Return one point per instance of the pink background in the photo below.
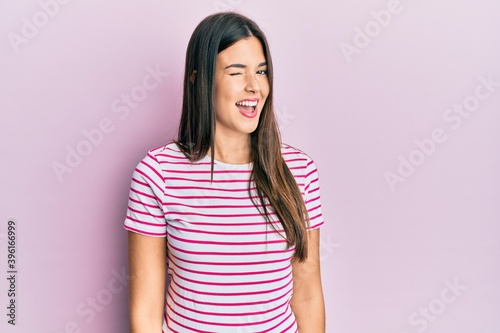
(389, 253)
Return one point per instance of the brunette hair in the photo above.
(270, 173)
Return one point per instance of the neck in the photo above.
(233, 150)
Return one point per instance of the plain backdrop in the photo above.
(396, 101)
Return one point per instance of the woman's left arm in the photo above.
(307, 300)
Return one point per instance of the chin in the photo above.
(249, 129)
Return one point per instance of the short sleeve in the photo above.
(145, 213)
(312, 195)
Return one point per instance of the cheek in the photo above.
(224, 104)
(228, 91)
(222, 96)
(264, 88)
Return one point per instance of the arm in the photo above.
(147, 268)
(307, 300)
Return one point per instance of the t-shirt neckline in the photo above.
(229, 165)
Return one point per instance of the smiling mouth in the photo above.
(248, 108)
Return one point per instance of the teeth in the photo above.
(247, 103)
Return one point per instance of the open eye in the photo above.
(262, 72)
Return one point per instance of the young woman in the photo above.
(227, 211)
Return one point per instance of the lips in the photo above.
(247, 107)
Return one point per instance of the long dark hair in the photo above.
(270, 173)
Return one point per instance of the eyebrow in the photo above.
(262, 64)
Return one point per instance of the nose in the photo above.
(252, 85)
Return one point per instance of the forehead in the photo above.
(246, 51)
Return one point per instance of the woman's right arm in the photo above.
(147, 267)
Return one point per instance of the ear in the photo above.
(192, 77)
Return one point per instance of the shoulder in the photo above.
(157, 157)
(300, 164)
(166, 153)
(294, 156)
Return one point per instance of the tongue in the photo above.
(246, 109)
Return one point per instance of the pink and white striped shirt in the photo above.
(229, 270)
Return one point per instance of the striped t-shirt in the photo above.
(229, 270)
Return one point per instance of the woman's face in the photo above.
(241, 87)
